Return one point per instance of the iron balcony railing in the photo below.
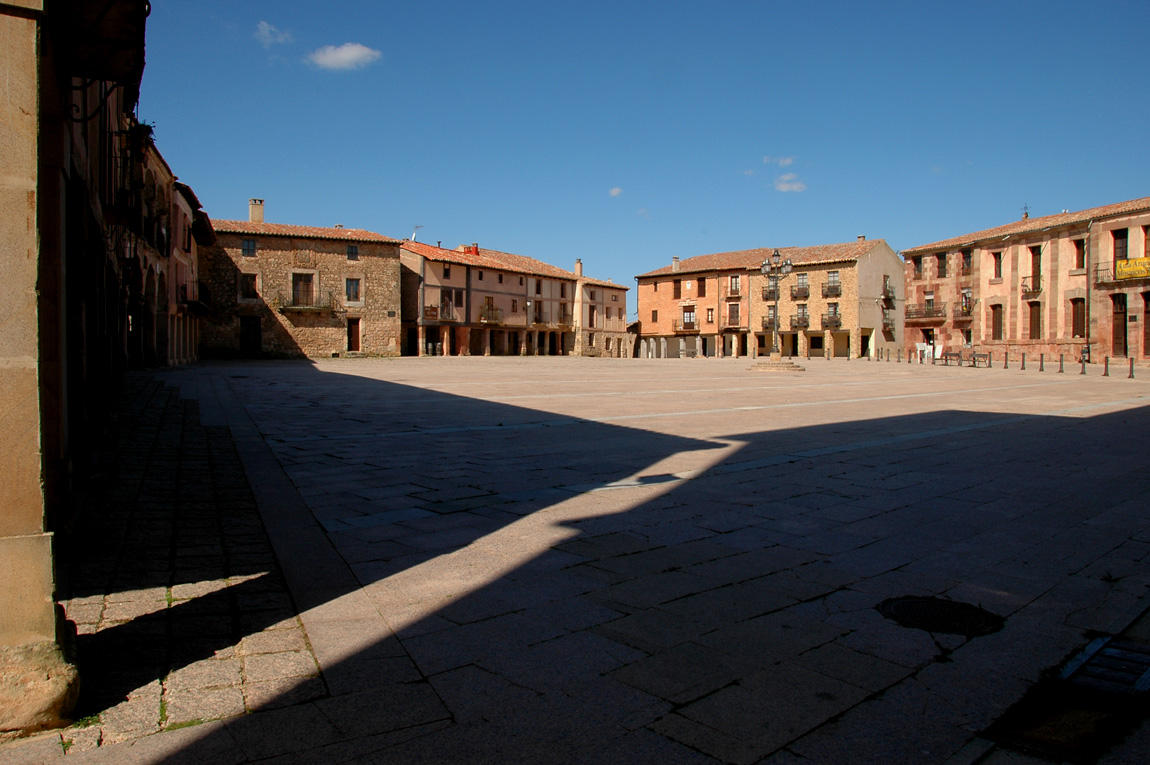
(832, 320)
(802, 321)
(304, 301)
(770, 293)
(964, 312)
(490, 314)
(887, 292)
(888, 324)
(800, 291)
(682, 325)
(920, 311)
(769, 323)
(1031, 285)
(832, 290)
(732, 290)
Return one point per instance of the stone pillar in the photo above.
(662, 347)
(37, 685)
(486, 342)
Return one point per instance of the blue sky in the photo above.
(624, 133)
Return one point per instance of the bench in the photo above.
(975, 358)
(950, 356)
(965, 357)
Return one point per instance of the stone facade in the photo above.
(1070, 284)
(281, 290)
(476, 301)
(839, 301)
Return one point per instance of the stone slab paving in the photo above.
(589, 560)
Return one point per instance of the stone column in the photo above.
(37, 685)
(487, 342)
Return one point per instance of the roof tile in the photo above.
(312, 232)
(753, 259)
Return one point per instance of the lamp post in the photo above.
(775, 268)
(526, 323)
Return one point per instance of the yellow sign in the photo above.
(1135, 268)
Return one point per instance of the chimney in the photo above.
(338, 225)
(255, 211)
(578, 266)
(675, 263)
(474, 249)
(862, 237)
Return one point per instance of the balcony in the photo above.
(887, 293)
(732, 291)
(769, 324)
(1031, 286)
(489, 314)
(802, 321)
(888, 324)
(770, 294)
(1131, 271)
(306, 302)
(682, 325)
(832, 290)
(832, 321)
(926, 312)
(736, 322)
(963, 312)
(800, 291)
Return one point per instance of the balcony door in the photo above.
(1118, 339)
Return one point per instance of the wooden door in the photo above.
(1118, 343)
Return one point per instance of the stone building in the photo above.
(840, 300)
(95, 258)
(476, 301)
(283, 290)
(1072, 283)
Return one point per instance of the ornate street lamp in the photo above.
(775, 269)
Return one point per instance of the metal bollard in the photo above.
(1042, 362)
(1083, 360)
(1024, 362)
(1006, 360)
(898, 355)
(1131, 369)
(1106, 367)
(1061, 363)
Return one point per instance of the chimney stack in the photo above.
(255, 211)
(862, 237)
(578, 266)
(675, 263)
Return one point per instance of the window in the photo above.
(710, 315)
(702, 288)
(458, 298)
(833, 309)
(917, 267)
(499, 278)
(967, 262)
(446, 270)
(249, 248)
(353, 252)
(997, 256)
(1078, 317)
(1035, 321)
(1146, 242)
(302, 289)
(928, 299)
(562, 289)
(351, 290)
(654, 316)
(614, 298)
(734, 284)
(802, 309)
(607, 313)
(996, 322)
(514, 306)
(967, 338)
(833, 278)
(733, 314)
(677, 289)
(1080, 253)
(942, 266)
(520, 281)
(480, 276)
(590, 294)
(538, 286)
(248, 287)
(1036, 264)
(802, 280)
(689, 317)
(1121, 242)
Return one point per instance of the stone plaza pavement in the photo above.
(593, 560)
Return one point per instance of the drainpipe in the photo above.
(1089, 279)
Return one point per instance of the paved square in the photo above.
(592, 560)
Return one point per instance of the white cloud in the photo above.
(748, 172)
(642, 212)
(780, 161)
(615, 191)
(270, 35)
(789, 182)
(346, 56)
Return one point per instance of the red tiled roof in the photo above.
(501, 261)
(303, 232)
(753, 259)
(1027, 225)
